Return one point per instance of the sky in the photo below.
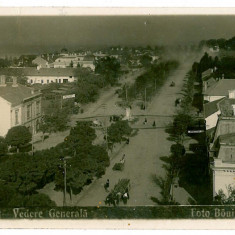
(38, 34)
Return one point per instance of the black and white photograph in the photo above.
(117, 116)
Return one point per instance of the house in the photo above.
(207, 83)
(219, 89)
(88, 62)
(43, 75)
(42, 63)
(222, 148)
(19, 105)
(207, 73)
(223, 167)
(214, 49)
(65, 61)
(211, 112)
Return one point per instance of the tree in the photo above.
(146, 60)
(109, 67)
(17, 136)
(118, 131)
(3, 146)
(225, 199)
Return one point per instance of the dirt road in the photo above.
(143, 153)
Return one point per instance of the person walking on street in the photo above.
(124, 198)
(154, 124)
(106, 186)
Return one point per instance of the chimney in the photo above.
(14, 84)
(231, 94)
(2, 81)
(233, 107)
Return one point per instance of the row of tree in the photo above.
(227, 44)
(24, 174)
(149, 82)
(190, 168)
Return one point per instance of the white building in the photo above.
(42, 63)
(211, 112)
(224, 164)
(43, 75)
(219, 89)
(19, 105)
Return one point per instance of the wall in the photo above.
(211, 120)
(13, 116)
(212, 98)
(37, 79)
(222, 179)
(5, 117)
(34, 117)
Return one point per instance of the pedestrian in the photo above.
(176, 102)
(107, 201)
(154, 123)
(122, 161)
(124, 198)
(145, 120)
(106, 186)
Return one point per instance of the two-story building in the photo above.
(19, 105)
(42, 75)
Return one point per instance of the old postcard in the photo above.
(116, 115)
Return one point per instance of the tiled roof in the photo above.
(30, 71)
(221, 87)
(206, 73)
(15, 95)
(39, 61)
(226, 107)
(227, 139)
(211, 107)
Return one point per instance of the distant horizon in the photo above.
(38, 34)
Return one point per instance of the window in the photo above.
(16, 116)
(59, 80)
(28, 112)
(31, 80)
(70, 76)
(56, 80)
(42, 81)
(47, 81)
(37, 107)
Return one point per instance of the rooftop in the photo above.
(221, 87)
(15, 95)
(206, 73)
(211, 107)
(227, 139)
(225, 107)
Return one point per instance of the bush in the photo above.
(118, 166)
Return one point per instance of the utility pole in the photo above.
(65, 182)
(61, 102)
(105, 127)
(65, 178)
(145, 98)
(32, 128)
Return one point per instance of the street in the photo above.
(142, 154)
(142, 161)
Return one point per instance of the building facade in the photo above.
(19, 105)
